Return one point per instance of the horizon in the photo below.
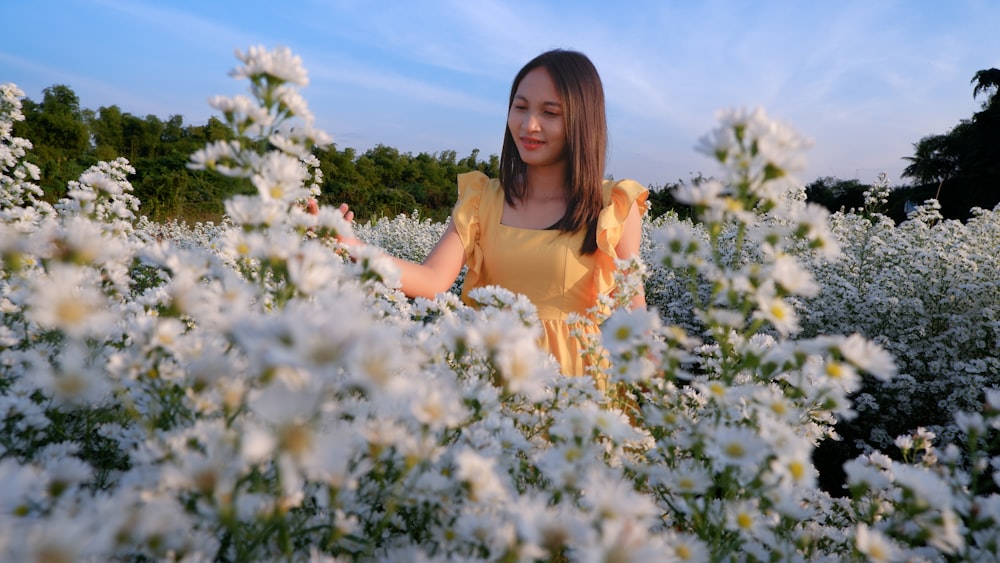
(864, 81)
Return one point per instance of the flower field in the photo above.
(243, 392)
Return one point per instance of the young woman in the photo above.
(550, 227)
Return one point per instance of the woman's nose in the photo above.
(531, 122)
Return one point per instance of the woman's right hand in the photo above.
(345, 210)
(348, 242)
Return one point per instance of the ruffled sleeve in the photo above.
(466, 218)
(618, 200)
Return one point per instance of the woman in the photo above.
(550, 227)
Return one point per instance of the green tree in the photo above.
(173, 130)
(381, 181)
(936, 158)
(107, 131)
(987, 82)
(140, 137)
(962, 168)
(836, 194)
(58, 130)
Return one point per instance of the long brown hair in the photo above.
(582, 95)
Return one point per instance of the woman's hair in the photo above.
(582, 95)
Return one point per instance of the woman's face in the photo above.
(536, 120)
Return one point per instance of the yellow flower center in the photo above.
(71, 311)
(70, 385)
(778, 311)
(744, 520)
(835, 370)
(797, 469)
(296, 438)
(735, 449)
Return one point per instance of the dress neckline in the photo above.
(527, 229)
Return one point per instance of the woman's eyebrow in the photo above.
(556, 103)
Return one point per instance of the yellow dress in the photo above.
(544, 265)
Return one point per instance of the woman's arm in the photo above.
(628, 246)
(436, 274)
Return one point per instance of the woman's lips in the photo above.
(530, 143)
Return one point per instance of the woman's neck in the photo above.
(545, 182)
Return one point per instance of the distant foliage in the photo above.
(961, 169)
(67, 139)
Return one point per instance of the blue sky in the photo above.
(865, 80)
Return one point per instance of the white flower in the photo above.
(254, 211)
(278, 63)
(776, 311)
(612, 498)
(217, 155)
(864, 475)
(794, 469)
(331, 218)
(792, 277)
(437, 407)
(375, 263)
(676, 246)
(258, 443)
(75, 379)
(239, 244)
(812, 220)
(62, 537)
(375, 359)
(740, 447)
(745, 517)
(331, 460)
(69, 299)
(245, 112)
(707, 193)
(623, 540)
(971, 424)
(548, 529)
(874, 545)
(293, 102)
(719, 144)
(868, 356)
(687, 547)
(611, 423)
(62, 468)
(774, 402)
(993, 398)
(281, 177)
(625, 330)
(904, 443)
(313, 268)
(843, 375)
(927, 486)
(479, 474)
(204, 459)
(947, 532)
(690, 477)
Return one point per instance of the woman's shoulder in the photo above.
(475, 184)
(623, 191)
(479, 198)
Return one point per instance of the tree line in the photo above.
(378, 182)
(960, 168)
